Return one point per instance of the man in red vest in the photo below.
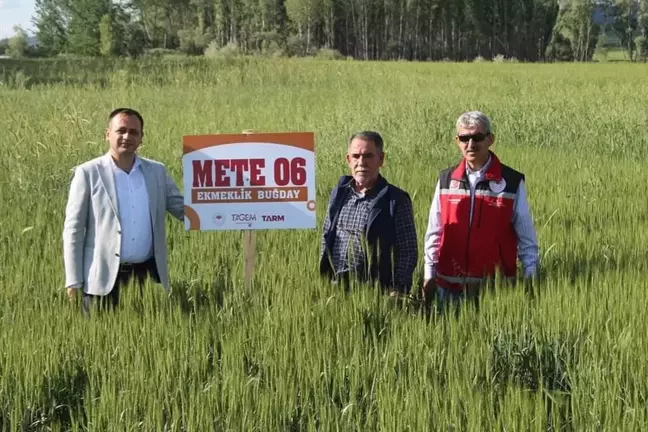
(479, 220)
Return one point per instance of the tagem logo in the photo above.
(244, 218)
(273, 218)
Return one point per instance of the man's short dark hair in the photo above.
(369, 136)
(126, 111)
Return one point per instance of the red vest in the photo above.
(473, 251)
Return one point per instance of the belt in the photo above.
(128, 266)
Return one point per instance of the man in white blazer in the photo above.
(115, 216)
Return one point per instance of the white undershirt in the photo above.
(475, 177)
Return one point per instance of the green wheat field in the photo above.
(294, 353)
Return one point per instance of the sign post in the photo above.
(249, 250)
(250, 181)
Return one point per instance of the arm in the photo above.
(74, 229)
(523, 225)
(174, 198)
(432, 241)
(405, 246)
(327, 224)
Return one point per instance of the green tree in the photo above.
(642, 19)
(108, 38)
(132, 40)
(575, 22)
(625, 24)
(18, 43)
(84, 37)
(51, 26)
(305, 14)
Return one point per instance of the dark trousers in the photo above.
(139, 271)
(346, 280)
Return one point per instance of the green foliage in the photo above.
(107, 36)
(367, 30)
(575, 23)
(192, 41)
(50, 16)
(329, 54)
(296, 46)
(17, 46)
(296, 353)
(394, 30)
(560, 49)
(229, 51)
(641, 42)
(625, 24)
(84, 37)
(268, 43)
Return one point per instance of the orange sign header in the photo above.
(302, 140)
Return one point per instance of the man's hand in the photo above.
(72, 292)
(398, 298)
(429, 288)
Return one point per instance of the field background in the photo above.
(297, 354)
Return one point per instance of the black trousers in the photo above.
(139, 271)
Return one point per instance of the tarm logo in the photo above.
(273, 218)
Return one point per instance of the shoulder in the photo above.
(398, 194)
(88, 167)
(447, 172)
(151, 163)
(445, 175)
(512, 174)
(342, 182)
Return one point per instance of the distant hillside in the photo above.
(31, 40)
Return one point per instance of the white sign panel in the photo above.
(249, 181)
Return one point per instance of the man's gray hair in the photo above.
(473, 119)
(370, 136)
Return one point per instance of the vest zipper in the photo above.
(471, 219)
(470, 222)
(481, 205)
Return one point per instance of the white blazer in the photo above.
(92, 229)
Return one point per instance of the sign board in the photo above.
(249, 181)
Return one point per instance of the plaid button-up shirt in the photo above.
(350, 249)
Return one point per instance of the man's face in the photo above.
(474, 144)
(124, 133)
(364, 160)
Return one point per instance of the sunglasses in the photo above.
(478, 137)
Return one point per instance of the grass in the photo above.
(296, 353)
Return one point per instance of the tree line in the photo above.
(526, 30)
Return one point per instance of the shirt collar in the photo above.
(369, 193)
(480, 171)
(114, 166)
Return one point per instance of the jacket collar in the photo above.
(348, 183)
(494, 171)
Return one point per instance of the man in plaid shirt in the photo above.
(369, 232)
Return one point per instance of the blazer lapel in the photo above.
(151, 189)
(108, 180)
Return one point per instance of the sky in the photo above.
(15, 12)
